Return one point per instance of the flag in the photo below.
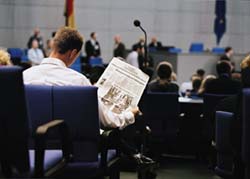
(220, 20)
(69, 13)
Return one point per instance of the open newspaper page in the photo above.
(121, 85)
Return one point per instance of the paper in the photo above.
(121, 86)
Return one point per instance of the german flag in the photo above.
(69, 13)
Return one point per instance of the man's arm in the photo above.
(110, 119)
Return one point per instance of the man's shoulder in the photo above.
(76, 73)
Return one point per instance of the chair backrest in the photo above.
(223, 127)
(210, 103)
(15, 55)
(13, 120)
(218, 50)
(246, 127)
(15, 52)
(95, 61)
(175, 50)
(161, 112)
(223, 143)
(196, 47)
(78, 107)
(39, 104)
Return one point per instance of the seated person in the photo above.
(187, 86)
(35, 55)
(204, 82)
(4, 58)
(234, 104)
(54, 71)
(196, 86)
(201, 73)
(224, 84)
(154, 43)
(163, 82)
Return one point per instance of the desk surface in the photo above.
(189, 100)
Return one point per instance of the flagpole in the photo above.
(66, 13)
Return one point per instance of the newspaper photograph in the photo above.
(121, 85)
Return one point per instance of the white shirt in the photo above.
(54, 72)
(35, 56)
(186, 86)
(132, 59)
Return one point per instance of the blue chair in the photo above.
(218, 50)
(210, 103)
(196, 48)
(246, 132)
(15, 55)
(77, 66)
(24, 57)
(95, 61)
(15, 158)
(161, 112)
(224, 167)
(175, 50)
(78, 106)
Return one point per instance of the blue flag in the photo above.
(220, 20)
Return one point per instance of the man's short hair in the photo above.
(164, 70)
(227, 49)
(66, 39)
(200, 72)
(223, 67)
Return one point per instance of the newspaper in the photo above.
(121, 86)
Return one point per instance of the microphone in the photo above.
(137, 23)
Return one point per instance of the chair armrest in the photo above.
(41, 137)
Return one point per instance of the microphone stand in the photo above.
(145, 47)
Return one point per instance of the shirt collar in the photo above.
(53, 61)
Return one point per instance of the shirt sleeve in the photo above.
(112, 120)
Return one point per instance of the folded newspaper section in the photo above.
(121, 85)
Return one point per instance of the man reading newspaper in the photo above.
(115, 111)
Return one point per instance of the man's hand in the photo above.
(136, 111)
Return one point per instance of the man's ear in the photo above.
(73, 55)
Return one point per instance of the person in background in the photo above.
(140, 43)
(224, 84)
(201, 73)
(187, 86)
(154, 43)
(204, 82)
(36, 36)
(228, 54)
(92, 47)
(196, 83)
(5, 58)
(48, 47)
(163, 81)
(234, 104)
(119, 50)
(35, 55)
(133, 57)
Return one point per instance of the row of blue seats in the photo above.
(196, 48)
(21, 54)
(52, 114)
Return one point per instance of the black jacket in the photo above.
(91, 50)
